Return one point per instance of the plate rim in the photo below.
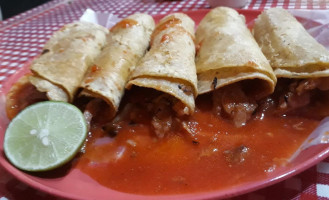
(237, 190)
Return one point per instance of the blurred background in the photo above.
(10, 8)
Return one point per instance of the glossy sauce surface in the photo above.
(214, 155)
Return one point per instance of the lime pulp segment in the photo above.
(44, 136)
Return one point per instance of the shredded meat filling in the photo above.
(299, 92)
(232, 101)
(164, 119)
(97, 110)
(158, 109)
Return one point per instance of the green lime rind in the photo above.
(45, 136)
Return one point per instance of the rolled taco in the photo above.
(126, 44)
(230, 64)
(298, 60)
(169, 65)
(65, 58)
(291, 50)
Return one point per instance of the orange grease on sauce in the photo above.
(89, 80)
(90, 77)
(94, 68)
(165, 38)
(171, 22)
(125, 23)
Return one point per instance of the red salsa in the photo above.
(213, 154)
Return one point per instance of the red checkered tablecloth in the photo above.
(22, 38)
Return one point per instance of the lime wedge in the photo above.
(44, 136)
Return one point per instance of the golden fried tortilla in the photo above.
(126, 44)
(291, 50)
(65, 58)
(227, 53)
(169, 65)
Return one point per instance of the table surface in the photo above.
(23, 36)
